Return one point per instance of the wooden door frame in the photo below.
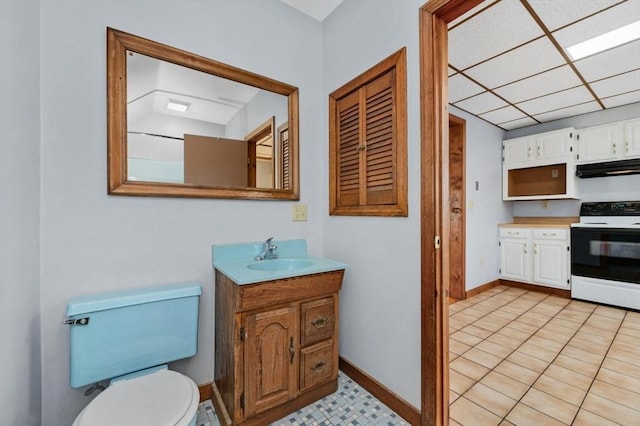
(434, 135)
(457, 141)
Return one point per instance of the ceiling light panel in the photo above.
(501, 115)
(460, 87)
(483, 35)
(530, 59)
(557, 13)
(609, 20)
(542, 84)
(627, 98)
(617, 85)
(554, 101)
(516, 124)
(568, 112)
(606, 64)
(481, 103)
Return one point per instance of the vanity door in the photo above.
(271, 358)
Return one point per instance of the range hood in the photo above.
(610, 168)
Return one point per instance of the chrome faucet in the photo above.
(268, 251)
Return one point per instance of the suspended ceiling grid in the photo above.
(508, 66)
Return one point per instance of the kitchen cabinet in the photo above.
(609, 142)
(276, 345)
(539, 166)
(535, 255)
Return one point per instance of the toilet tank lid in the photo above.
(81, 305)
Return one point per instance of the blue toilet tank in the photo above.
(117, 333)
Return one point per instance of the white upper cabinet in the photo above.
(609, 142)
(632, 138)
(539, 150)
(539, 166)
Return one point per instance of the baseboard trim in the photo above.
(206, 391)
(483, 288)
(384, 395)
(566, 294)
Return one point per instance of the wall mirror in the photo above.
(181, 125)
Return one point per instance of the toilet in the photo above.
(128, 337)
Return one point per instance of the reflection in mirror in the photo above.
(204, 130)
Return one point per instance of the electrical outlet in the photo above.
(300, 213)
(554, 173)
(545, 204)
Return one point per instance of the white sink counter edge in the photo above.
(233, 259)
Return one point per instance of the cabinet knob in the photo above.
(319, 367)
(319, 322)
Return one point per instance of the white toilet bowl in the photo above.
(163, 398)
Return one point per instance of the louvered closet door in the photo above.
(285, 156)
(379, 162)
(349, 150)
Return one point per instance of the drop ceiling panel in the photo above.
(617, 85)
(481, 103)
(557, 13)
(568, 112)
(627, 98)
(475, 10)
(493, 41)
(508, 113)
(460, 87)
(618, 16)
(611, 62)
(516, 124)
(488, 38)
(541, 84)
(525, 61)
(554, 101)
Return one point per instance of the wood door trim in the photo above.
(457, 200)
(434, 16)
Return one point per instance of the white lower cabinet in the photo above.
(535, 255)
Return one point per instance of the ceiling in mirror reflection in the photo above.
(152, 84)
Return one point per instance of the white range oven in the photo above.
(605, 254)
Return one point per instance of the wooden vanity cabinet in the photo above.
(276, 345)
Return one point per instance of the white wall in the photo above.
(19, 213)
(380, 298)
(92, 242)
(484, 208)
(611, 188)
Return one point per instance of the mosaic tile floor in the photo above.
(519, 357)
(351, 405)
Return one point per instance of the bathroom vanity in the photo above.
(276, 325)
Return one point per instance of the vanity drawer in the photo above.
(317, 364)
(317, 320)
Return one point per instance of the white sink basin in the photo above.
(280, 265)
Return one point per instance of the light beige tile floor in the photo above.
(520, 357)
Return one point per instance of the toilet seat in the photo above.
(161, 398)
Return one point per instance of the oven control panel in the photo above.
(611, 208)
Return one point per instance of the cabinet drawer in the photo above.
(317, 364)
(550, 234)
(317, 321)
(514, 232)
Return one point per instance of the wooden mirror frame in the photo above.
(118, 43)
